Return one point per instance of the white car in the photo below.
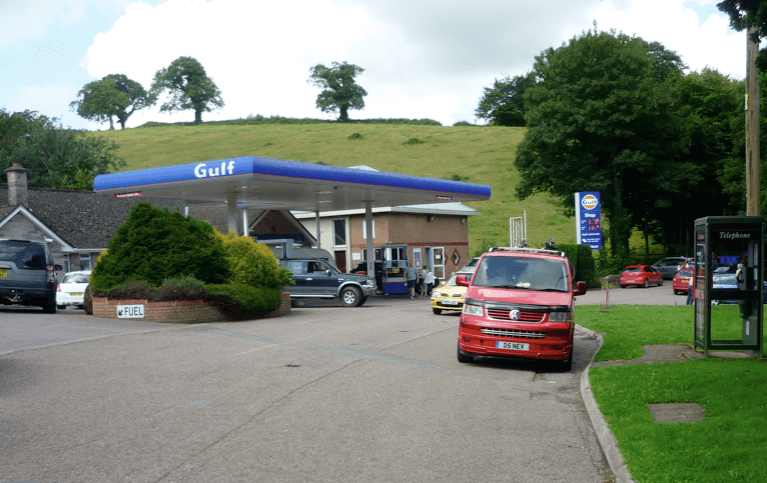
(71, 290)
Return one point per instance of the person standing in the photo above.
(429, 280)
(690, 291)
(421, 288)
(411, 275)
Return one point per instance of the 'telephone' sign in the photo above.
(588, 219)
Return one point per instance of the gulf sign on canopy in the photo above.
(588, 219)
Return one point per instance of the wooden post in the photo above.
(752, 127)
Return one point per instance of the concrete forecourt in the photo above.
(327, 393)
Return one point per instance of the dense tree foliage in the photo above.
(188, 87)
(504, 103)
(340, 92)
(155, 244)
(601, 118)
(113, 96)
(53, 156)
(710, 110)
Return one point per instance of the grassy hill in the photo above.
(475, 154)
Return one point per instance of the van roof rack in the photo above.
(527, 249)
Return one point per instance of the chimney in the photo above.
(17, 185)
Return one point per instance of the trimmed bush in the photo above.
(154, 244)
(582, 258)
(586, 268)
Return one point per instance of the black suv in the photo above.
(319, 279)
(27, 274)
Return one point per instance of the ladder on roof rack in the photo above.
(526, 249)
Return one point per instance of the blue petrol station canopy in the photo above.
(286, 185)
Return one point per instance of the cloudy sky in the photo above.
(422, 58)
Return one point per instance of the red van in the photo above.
(519, 304)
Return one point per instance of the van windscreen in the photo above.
(522, 273)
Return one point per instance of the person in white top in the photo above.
(429, 279)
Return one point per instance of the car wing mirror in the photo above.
(328, 272)
(580, 289)
(462, 281)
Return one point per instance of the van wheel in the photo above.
(350, 297)
(436, 311)
(567, 364)
(464, 357)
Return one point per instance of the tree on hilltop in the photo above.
(113, 96)
(188, 87)
(340, 92)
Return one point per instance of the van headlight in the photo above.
(560, 316)
(472, 310)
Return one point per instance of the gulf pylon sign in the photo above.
(588, 219)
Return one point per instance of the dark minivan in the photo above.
(27, 274)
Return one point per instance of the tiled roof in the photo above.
(84, 219)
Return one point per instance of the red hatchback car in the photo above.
(681, 281)
(640, 275)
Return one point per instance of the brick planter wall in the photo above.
(182, 312)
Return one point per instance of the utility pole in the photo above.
(752, 127)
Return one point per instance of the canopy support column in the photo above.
(369, 240)
(231, 211)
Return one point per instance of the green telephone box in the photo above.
(729, 285)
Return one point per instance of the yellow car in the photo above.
(448, 296)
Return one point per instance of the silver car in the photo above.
(668, 266)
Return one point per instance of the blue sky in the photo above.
(422, 59)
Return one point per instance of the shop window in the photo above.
(85, 261)
(339, 233)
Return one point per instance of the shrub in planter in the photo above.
(181, 288)
(252, 264)
(154, 244)
(251, 299)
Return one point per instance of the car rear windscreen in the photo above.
(28, 256)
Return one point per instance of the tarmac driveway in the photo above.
(326, 394)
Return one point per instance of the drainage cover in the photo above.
(677, 412)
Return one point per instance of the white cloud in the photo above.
(701, 42)
(420, 61)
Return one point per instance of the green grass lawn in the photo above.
(730, 444)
